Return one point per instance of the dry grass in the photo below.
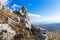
(53, 36)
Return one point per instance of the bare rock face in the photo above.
(7, 33)
(15, 25)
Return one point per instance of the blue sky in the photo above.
(39, 10)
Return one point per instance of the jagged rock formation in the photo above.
(15, 25)
(40, 33)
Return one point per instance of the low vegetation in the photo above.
(53, 36)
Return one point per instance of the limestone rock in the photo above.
(7, 32)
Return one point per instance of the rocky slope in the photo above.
(15, 25)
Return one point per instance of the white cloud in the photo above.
(34, 15)
(15, 6)
(5, 2)
(36, 18)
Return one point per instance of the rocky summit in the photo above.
(15, 25)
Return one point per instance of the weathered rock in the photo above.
(7, 32)
(40, 33)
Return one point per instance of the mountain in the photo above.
(15, 25)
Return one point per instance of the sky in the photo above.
(40, 11)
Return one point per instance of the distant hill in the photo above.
(50, 27)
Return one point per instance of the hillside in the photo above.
(12, 21)
(15, 25)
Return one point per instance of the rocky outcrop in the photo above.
(40, 33)
(15, 25)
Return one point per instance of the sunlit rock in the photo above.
(7, 32)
